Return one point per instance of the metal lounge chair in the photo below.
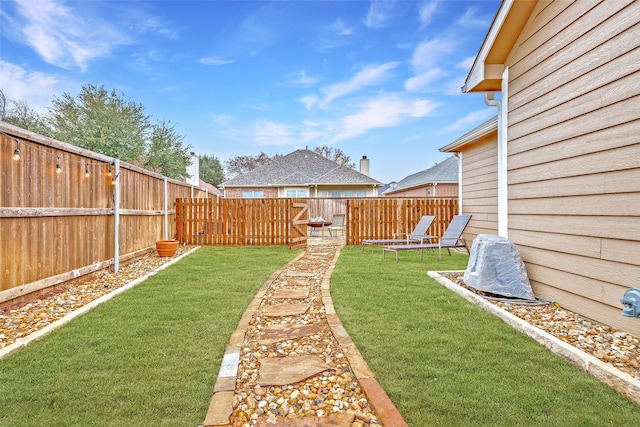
(452, 238)
(337, 224)
(418, 235)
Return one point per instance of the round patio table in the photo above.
(315, 225)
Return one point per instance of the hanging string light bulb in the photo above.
(58, 168)
(16, 152)
(86, 170)
(109, 173)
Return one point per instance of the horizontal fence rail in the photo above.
(55, 227)
(240, 222)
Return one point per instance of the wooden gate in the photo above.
(242, 222)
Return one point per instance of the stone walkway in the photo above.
(290, 363)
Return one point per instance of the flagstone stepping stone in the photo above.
(291, 293)
(277, 333)
(291, 369)
(296, 283)
(299, 274)
(333, 420)
(286, 309)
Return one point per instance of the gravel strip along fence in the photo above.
(33, 317)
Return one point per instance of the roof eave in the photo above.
(488, 67)
(483, 130)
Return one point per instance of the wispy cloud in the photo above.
(381, 112)
(379, 12)
(35, 88)
(272, 133)
(302, 79)
(470, 19)
(340, 28)
(466, 63)
(469, 120)
(427, 10)
(422, 81)
(214, 60)
(368, 76)
(63, 36)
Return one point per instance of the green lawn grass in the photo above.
(149, 357)
(445, 362)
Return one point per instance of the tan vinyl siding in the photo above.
(574, 154)
(480, 187)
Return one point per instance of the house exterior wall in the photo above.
(480, 186)
(236, 192)
(441, 190)
(574, 154)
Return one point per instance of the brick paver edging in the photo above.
(618, 380)
(221, 405)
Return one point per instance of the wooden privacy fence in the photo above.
(283, 221)
(242, 222)
(382, 218)
(96, 211)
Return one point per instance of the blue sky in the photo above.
(374, 78)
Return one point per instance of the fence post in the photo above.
(116, 217)
(166, 209)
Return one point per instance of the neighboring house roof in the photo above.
(385, 187)
(443, 172)
(301, 167)
(485, 128)
(211, 188)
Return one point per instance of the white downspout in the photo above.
(459, 156)
(503, 200)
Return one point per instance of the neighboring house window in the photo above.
(297, 193)
(253, 194)
(323, 194)
(336, 194)
(361, 193)
(428, 191)
(348, 193)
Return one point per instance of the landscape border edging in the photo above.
(25, 341)
(604, 372)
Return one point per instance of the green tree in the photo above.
(19, 113)
(211, 170)
(101, 121)
(167, 154)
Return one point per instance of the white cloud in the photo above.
(302, 79)
(427, 10)
(429, 53)
(422, 81)
(379, 13)
(473, 118)
(340, 28)
(470, 19)
(309, 101)
(466, 63)
(35, 88)
(214, 60)
(272, 133)
(370, 75)
(384, 111)
(62, 36)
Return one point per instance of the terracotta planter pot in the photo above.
(167, 247)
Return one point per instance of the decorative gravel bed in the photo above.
(34, 313)
(618, 348)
